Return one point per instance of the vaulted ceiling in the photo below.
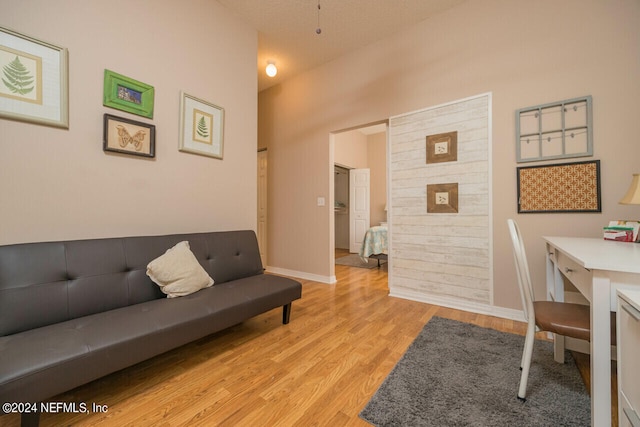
(287, 28)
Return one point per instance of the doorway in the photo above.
(341, 207)
(351, 207)
(359, 148)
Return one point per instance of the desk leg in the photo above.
(555, 292)
(558, 340)
(558, 348)
(600, 351)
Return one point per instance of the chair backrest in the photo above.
(522, 269)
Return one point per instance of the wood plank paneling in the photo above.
(441, 254)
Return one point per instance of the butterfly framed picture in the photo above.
(127, 136)
(201, 127)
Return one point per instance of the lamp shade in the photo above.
(633, 194)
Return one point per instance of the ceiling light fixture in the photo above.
(318, 30)
(271, 69)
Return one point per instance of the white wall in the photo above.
(59, 184)
(351, 149)
(377, 161)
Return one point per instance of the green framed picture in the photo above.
(126, 94)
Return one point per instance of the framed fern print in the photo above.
(34, 80)
(201, 127)
(127, 136)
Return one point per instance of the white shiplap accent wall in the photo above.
(442, 258)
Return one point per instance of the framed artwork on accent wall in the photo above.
(201, 127)
(126, 94)
(564, 187)
(442, 147)
(129, 137)
(34, 80)
(442, 198)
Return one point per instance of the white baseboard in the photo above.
(330, 280)
(505, 313)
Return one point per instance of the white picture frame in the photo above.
(34, 80)
(201, 127)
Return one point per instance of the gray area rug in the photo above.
(354, 260)
(457, 374)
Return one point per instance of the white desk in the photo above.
(597, 268)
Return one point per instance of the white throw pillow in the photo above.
(178, 272)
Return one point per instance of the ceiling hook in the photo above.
(318, 30)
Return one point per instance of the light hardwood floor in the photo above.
(321, 369)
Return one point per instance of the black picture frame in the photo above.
(126, 136)
(560, 188)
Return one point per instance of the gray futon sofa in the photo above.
(74, 311)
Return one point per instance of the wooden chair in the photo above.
(571, 320)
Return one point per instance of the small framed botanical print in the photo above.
(201, 127)
(442, 198)
(442, 147)
(34, 80)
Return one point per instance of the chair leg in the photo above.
(558, 348)
(526, 360)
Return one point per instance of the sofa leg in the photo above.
(286, 313)
(30, 419)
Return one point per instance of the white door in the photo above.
(358, 207)
(262, 206)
